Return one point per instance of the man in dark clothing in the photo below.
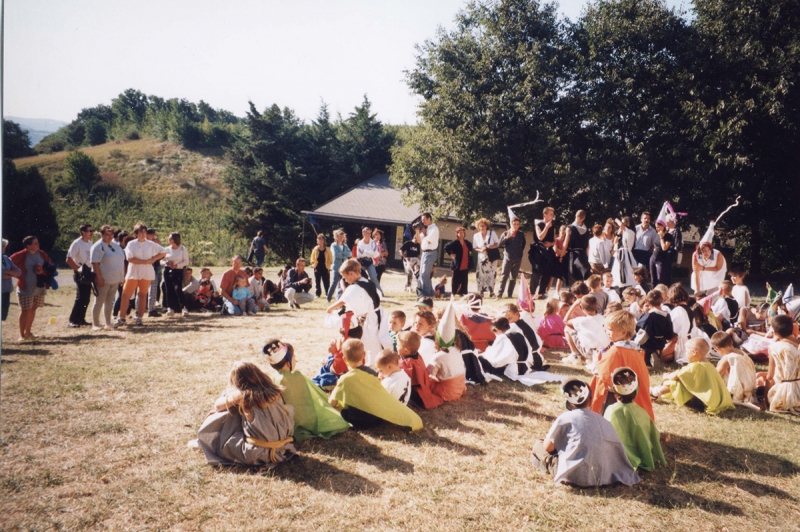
(298, 285)
(514, 243)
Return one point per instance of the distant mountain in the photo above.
(37, 128)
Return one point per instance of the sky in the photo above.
(62, 56)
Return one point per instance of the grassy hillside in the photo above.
(160, 183)
(145, 165)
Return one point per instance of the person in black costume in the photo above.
(541, 253)
(577, 244)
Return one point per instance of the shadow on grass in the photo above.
(696, 462)
(352, 445)
(15, 351)
(318, 474)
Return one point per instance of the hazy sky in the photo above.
(63, 55)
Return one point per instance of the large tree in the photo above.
(27, 207)
(490, 134)
(16, 141)
(746, 118)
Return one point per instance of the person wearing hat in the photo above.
(708, 264)
(513, 242)
(313, 415)
(634, 427)
(582, 448)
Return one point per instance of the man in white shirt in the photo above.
(79, 254)
(429, 246)
(646, 238)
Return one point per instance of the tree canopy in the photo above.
(631, 105)
(281, 166)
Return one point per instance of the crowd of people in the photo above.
(571, 253)
(384, 367)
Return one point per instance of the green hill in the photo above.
(146, 165)
(159, 183)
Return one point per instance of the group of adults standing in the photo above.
(572, 253)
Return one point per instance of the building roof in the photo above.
(373, 200)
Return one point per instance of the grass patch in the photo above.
(95, 427)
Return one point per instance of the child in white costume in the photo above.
(363, 300)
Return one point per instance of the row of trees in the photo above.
(133, 114)
(280, 166)
(631, 105)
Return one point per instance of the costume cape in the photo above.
(701, 380)
(421, 382)
(361, 390)
(313, 415)
(618, 356)
(638, 433)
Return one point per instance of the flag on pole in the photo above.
(524, 299)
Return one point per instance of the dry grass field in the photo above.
(95, 428)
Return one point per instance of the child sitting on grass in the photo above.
(512, 314)
(394, 379)
(642, 278)
(250, 424)
(440, 290)
(632, 297)
(425, 326)
(697, 384)
(595, 283)
(447, 369)
(608, 288)
(582, 448)
(783, 375)
(654, 328)
(411, 362)
(551, 327)
(726, 308)
(622, 353)
(567, 299)
(241, 293)
(736, 368)
(507, 355)
(397, 320)
(313, 416)
(634, 426)
(740, 291)
(585, 335)
(257, 289)
(335, 365)
(362, 399)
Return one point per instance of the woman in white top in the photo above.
(484, 240)
(175, 261)
(108, 264)
(708, 268)
(367, 251)
(608, 242)
(141, 254)
(624, 263)
(598, 257)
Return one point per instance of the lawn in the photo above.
(95, 428)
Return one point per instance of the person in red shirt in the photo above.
(411, 362)
(460, 251)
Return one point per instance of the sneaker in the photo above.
(185, 312)
(154, 314)
(72, 325)
(170, 313)
(253, 312)
(121, 322)
(112, 325)
(137, 320)
(574, 359)
(654, 392)
(96, 328)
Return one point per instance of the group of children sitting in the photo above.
(608, 433)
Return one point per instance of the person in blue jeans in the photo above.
(258, 248)
(430, 245)
(340, 253)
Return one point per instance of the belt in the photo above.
(791, 380)
(428, 250)
(271, 445)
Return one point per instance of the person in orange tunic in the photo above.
(411, 362)
(620, 326)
